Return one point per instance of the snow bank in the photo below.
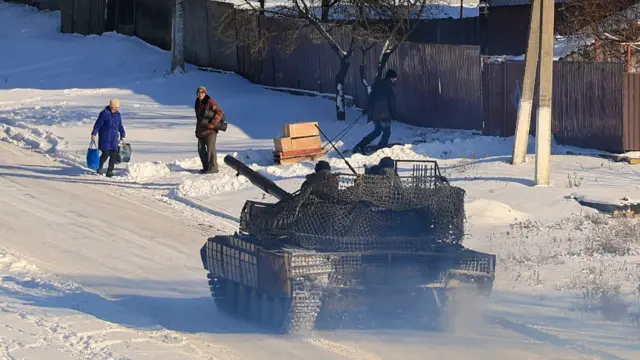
(278, 172)
(58, 114)
(146, 171)
(613, 197)
(211, 185)
(12, 263)
(23, 135)
(185, 164)
(485, 212)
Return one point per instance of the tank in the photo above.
(343, 243)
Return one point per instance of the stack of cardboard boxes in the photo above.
(299, 142)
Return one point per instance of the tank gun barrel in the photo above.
(256, 178)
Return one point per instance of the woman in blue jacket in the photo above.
(110, 131)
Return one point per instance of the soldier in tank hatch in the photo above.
(386, 166)
(322, 177)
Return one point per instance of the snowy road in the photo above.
(111, 274)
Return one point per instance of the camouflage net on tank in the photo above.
(345, 213)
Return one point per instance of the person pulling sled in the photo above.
(381, 109)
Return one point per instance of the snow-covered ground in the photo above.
(102, 268)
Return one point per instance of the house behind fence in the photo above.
(444, 86)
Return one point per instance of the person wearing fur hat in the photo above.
(381, 109)
(209, 116)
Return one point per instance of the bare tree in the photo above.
(390, 23)
(255, 25)
(603, 30)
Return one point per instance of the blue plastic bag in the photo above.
(93, 156)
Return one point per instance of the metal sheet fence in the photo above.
(587, 102)
(439, 85)
(631, 119)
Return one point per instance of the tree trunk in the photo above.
(177, 41)
(543, 126)
(341, 112)
(523, 123)
(363, 72)
(325, 6)
(385, 54)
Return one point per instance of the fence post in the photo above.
(177, 36)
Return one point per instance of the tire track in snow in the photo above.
(340, 349)
(99, 343)
(542, 336)
(18, 278)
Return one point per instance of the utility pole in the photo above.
(543, 125)
(177, 37)
(523, 122)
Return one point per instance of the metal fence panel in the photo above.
(631, 120)
(587, 102)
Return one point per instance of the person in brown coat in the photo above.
(209, 116)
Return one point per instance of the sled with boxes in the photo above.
(299, 142)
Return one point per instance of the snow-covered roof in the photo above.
(512, 2)
(563, 46)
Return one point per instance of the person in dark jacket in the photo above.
(387, 167)
(373, 170)
(110, 132)
(381, 109)
(322, 176)
(208, 116)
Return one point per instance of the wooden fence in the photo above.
(589, 109)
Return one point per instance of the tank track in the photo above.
(279, 314)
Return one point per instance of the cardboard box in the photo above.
(307, 142)
(282, 144)
(286, 144)
(301, 129)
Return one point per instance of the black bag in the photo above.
(124, 153)
(222, 124)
